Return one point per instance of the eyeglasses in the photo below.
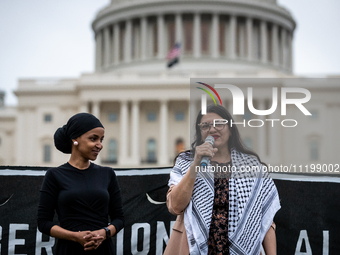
(205, 126)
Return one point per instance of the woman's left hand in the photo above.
(95, 238)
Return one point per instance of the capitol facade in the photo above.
(145, 106)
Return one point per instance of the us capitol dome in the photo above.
(216, 36)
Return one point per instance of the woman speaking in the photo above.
(226, 212)
(83, 195)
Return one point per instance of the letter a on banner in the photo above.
(303, 236)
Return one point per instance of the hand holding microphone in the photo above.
(205, 159)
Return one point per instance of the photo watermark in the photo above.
(290, 123)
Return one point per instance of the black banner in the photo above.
(307, 223)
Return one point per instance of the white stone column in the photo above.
(127, 41)
(215, 38)
(229, 106)
(116, 46)
(226, 39)
(160, 36)
(143, 37)
(32, 158)
(249, 38)
(190, 105)
(84, 106)
(264, 47)
(242, 41)
(135, 155)
(123, 152)
(332, 128)
(21, 136)
(96, 113)
(107, 47)
(197, 35)
(262, 131)
(192, 121)
(284, 47)
(112, 49)
(25, 128)
(163, 137)
(179, 26)
(232, 37)
(275, 44)
(96, 108)
(136, 42)
(99, 50)
(274, 127)
(290, 51)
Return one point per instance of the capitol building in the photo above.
(146, 107)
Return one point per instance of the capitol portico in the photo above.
(145, 106)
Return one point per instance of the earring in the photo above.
(75, 143)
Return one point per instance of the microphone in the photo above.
(205, 159)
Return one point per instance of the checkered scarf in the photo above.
(253, 203)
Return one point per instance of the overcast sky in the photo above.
(54, 39)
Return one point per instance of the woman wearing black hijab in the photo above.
(84, 195)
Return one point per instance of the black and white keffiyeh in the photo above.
(253, 203)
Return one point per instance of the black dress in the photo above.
(218, 233)
(83, 200)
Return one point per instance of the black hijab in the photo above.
(76, 126)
